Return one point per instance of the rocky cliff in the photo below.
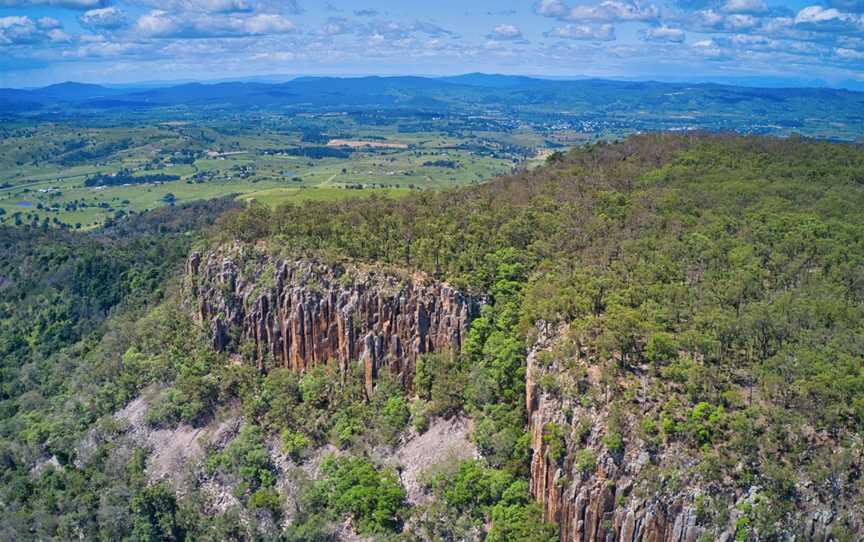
(643, 491)
(596, 470)
(297, 313)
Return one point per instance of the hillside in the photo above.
(615, 106)
(654, 339)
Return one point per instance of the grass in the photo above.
(31, 157)
(279, 196)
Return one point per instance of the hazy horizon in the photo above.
(273, 78)
(802, 42)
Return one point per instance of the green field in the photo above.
(275, 197)
(44, 168)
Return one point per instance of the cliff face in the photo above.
(600, 496)
(292, 313)
(297, 313)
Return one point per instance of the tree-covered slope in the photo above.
(721, 275)
(691, 306)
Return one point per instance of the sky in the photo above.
(127, 41)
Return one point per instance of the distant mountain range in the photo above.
(375, 90)
(638, 105)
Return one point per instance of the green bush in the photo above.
(556, 445)
(373, 498)
(394, 417)
(294, 443)
(266, 498)
(474, 487)
(155, 514)
(705, 422)
(661, 348)
(520, 523)
(246, 456)
(586, 461)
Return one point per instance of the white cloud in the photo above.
(849, 54)
(710, 50)
(583, 32)
(709, 20)
(819, 19)
(738, 22)
(267, 23)
(22, 30)
(505, 32)
(69, 4)
(551, 8)
(664, 34)
(752, 7)
(48, 23)
(336, 26)
(161, 24)
(398, 29)
(223, 6)
(607, 11)
(104, 18)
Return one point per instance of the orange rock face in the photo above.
(297, 313)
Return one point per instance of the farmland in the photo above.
(67, 175)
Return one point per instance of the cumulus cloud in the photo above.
(709, 20)
(583, 32)
(103, 18)
(48, 23)
(753, 7)
(711, 50)
(607, 11)
(95, 47)
(380, 31)
(819, 19)
(22, 30)
(291, 7)
(505, 32)
(664, 34)
(366, 13)
(267, 23)
(69, 4)
(161, 24)
(336, 26)
(391, 29)
(204, 6)
(849, 54)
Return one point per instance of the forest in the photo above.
(706, 293)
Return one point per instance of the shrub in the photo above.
(294, 443)
(394, 417)
(520, 523)
(661, 347)
(586, 461)
(556, 445)
(373, 498)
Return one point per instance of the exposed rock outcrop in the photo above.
(599, 496)
(299, 313)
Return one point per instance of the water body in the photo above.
(24, 204)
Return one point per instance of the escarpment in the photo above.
(632, 487)
(596, 470)
(298, 313)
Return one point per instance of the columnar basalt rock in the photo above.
(599, 502)
(595, 505)
(299, 313)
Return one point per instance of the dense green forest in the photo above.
(726, 272)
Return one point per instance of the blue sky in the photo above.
(123, 41)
